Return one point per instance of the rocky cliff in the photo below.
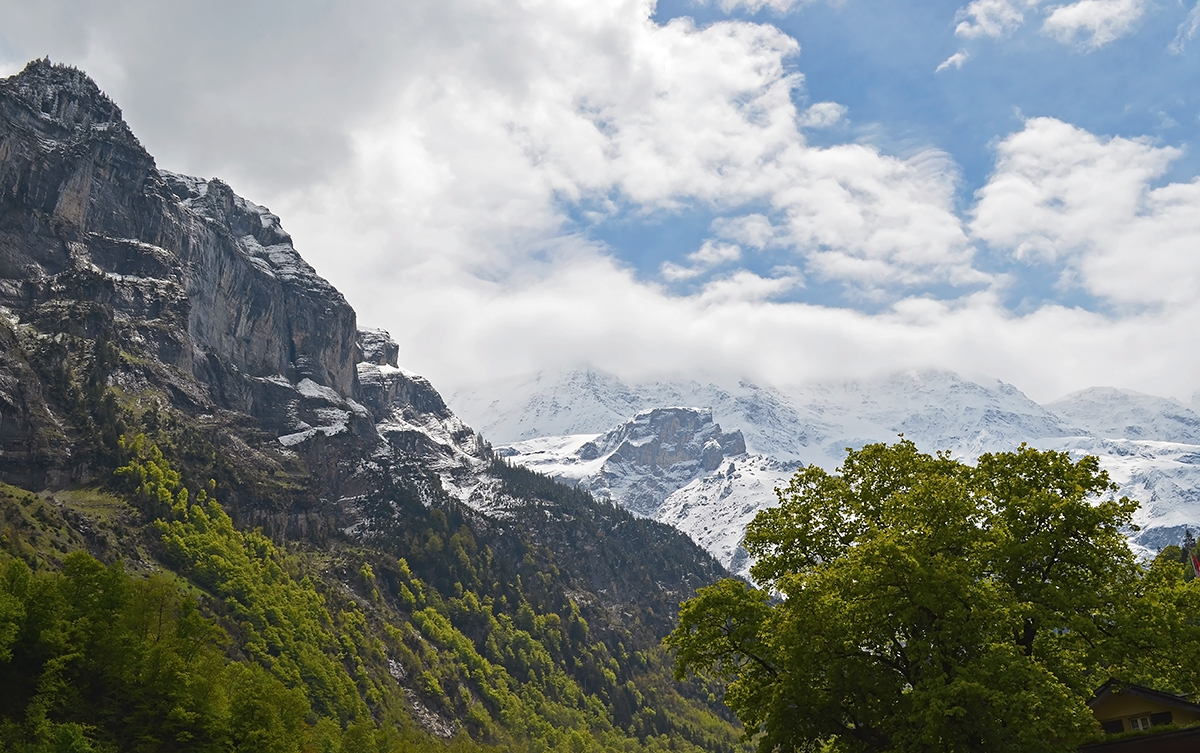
(199, 285)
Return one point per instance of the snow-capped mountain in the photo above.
(675, 465)
(1125, 414)
(1149, 445)
(938, 410)
(590, 402)
(716, 508)
(640, 462)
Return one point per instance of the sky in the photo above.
(774, 190)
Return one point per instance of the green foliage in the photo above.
(265, 656)
(283, 624)
(1156, 641)
(931, 605)
(101, 661)
(517, 658)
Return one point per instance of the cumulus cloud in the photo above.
(1063, 195)
(1093, 23)
(1087, 23)
(754, 230)
(710, 254)
(823, 115)
(667, 116)
(992, 18)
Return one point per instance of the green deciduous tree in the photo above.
(913, 602)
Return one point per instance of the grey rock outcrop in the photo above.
(86, 211)
(657, 452)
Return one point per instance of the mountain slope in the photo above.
(1124, 414)
(640, 461)
(162, 344)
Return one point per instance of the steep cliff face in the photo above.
(95, 241)
(85, 205)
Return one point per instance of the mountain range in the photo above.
(552, 422)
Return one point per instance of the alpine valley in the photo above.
(708, 468)
(231, 521)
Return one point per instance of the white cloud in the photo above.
(1062, 195)
(1187, 31)
(422, 153)
(672, 115)
(779, 6)
(1093, 23)
(710, 254)
(753, 230)
(876, 221)
(823, 115)
(992, 18)
(1088, 23)
(954, 61)
(673, 272)
(746, 287)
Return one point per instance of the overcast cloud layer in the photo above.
(495, 182)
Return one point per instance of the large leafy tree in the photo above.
(911, 602)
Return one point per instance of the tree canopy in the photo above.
(914, 602)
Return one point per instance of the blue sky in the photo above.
(880, 60)
(782, 190)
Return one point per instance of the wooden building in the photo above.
(1128, 708)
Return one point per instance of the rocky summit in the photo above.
(639, 462)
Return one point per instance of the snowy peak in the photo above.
(1124, 414)
(588, 401)
(936, 409)
(549, 404)
(665, 437)
(715, 509)
(639, 462)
